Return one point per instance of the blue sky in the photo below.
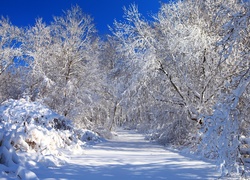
(24, 12)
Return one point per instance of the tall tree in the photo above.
(64, 58)
(224, 128)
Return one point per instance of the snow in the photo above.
(32, 134)
(128, 156)
(37, 143)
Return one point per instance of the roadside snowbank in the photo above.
(32, 128)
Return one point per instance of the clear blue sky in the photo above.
(24, 12)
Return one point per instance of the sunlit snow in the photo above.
(129, 156)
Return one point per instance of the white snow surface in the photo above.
(32, 134)
(37, 143)
(128, 156)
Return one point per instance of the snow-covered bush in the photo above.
(35, 127)
(88, 136)
(10, 164)
(221, 131)
(30, 127)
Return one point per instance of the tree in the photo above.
(133, 44)
(10, 54)
(175, 71)
(64, 57)
(9, 44)
(222, 130)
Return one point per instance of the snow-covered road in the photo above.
(129, 156)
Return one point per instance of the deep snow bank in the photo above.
(30, 127)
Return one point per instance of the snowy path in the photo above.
(129, 156)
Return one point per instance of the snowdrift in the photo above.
(32, 128)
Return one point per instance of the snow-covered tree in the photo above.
(9, 44)
(222, 130)
(174, 67)
(64, 57)
(133, 44)
(10, 54)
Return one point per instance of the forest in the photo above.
(182, 78)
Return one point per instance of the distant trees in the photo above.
(134, 44)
